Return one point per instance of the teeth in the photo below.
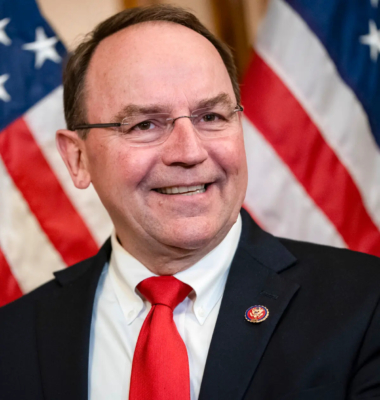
(195, 192)
(184, 190)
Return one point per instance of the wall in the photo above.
(72, 19)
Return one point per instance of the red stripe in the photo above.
(280, 118)
(44, 194)
(9, 288)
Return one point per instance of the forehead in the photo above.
(154, 62)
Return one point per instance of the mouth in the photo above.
(183, 190)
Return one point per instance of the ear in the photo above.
(72, 150)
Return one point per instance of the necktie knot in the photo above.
(165, 290)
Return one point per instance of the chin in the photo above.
(192, 236)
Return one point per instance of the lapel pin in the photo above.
(256, 314)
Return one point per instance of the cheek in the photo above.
(230, 155)
(116, 167)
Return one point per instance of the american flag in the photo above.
(45, 223)
(312, 132)
(312, 122)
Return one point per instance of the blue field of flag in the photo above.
(350, 32)
(31, 58)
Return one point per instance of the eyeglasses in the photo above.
(151, 129)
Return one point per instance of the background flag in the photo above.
(45, 223)
(312, 122)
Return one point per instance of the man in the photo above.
(153, 114)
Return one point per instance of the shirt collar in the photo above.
(126, 272)
(207, 277)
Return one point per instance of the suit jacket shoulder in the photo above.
(49, 290)
(336, 257)
(339, 276)
(41, 329)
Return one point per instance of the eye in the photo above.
(144, 126)
(211, 117)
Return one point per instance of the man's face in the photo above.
(171, 68)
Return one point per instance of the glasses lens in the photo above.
(145, 129)
(215, 122)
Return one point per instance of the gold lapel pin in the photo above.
(256, 314)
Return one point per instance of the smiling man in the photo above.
(189, 299)
(173, 183)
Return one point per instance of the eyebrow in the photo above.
(135, 109)
(220, 99)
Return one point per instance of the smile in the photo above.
(183, 190)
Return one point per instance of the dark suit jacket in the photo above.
(321, 340)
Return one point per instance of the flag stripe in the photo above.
(43, 120)
(44, 195)
(284, 42)
(29, 252)
(9, 289)
(278, 200)
(339, 26)
(274, 110)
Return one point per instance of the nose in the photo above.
(183, 147)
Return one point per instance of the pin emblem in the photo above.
(256, 314)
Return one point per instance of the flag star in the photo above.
(3, 93)
(375, 3)
(372, 40)
(44, 48)
(4, 39)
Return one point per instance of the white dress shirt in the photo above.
(119, 313)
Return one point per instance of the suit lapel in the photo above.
(63, 330)
(238, 345)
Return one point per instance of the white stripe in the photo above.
(296, 55)
(29, 252)
(44, 119)
(278, 200)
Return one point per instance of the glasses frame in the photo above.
(119, 124)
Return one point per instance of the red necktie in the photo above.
(160, 367)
